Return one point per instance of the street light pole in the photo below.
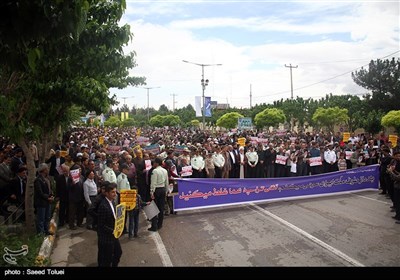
(204, 83)
(148, 108)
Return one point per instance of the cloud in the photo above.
(327, 41)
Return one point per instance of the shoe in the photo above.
(396, 218)
(397, 222)
(130, 237)
(135, 235)
(73, 228)
(382, 193)
(152, 229)
(89, 227)
(392, 210)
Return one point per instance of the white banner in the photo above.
(197, 106)
(281, 159)
(315, 161)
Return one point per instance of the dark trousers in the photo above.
(109, 253)
(63, 212)
(133, 222)
(76, 209)
(396, 202)
(218, 172)
(43, 219)
(159, 199)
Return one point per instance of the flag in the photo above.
(207, 104)
(197, 106)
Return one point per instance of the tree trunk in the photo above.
(29, 207)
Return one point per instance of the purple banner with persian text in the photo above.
(204, 193)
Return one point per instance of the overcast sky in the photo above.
(253, 40)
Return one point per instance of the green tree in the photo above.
(295, 110)
(129, 122)
(113, 121)
(392, 119)
(195, 123)
(171, 120)
(269, 117)
(328, 117)
(157, 121)
(69, 53)
(371, 121)
(229, 120)
(356, 107)
(163, 110)
(383, 79)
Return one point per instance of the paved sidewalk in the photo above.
(78, 248)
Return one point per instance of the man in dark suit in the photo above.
(17, 187)
(55, 161)
(62, 183)
(43, 197)
(109, 248)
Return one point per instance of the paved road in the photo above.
(344, 230)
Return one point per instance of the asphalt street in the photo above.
(337, 231)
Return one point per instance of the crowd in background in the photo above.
(126, 157)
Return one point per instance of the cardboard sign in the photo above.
(119, 220)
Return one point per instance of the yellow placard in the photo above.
(346, 136)
(101, 140)
(242, 141)
(138, 132)
(129, 198)
(120, 220)
(393, 139)
(63, 153)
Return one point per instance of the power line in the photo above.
(334, 77)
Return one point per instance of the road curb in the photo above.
(48, 242)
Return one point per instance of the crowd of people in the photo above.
(89, 163)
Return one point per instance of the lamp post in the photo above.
(204, 83)
(148, 110)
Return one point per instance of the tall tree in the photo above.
(269, 117)
(73, 60)
(330, 116)
(392, 119)
(383, 79)
(229, 120)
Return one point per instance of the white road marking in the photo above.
(162, 251)
(335, 251)
(366, 197)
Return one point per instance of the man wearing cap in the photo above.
(108, 172)
(330, 159)
(17, 187)
(55, 163)
(43, 197)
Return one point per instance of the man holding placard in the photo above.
(109, 248)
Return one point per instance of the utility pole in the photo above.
(148, 110)
(291, 79)
(173, 101)
(250, 96)
(204, 83)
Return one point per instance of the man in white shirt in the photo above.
(90, 193)
(330, 159)
(108, 172)
(158, 188)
